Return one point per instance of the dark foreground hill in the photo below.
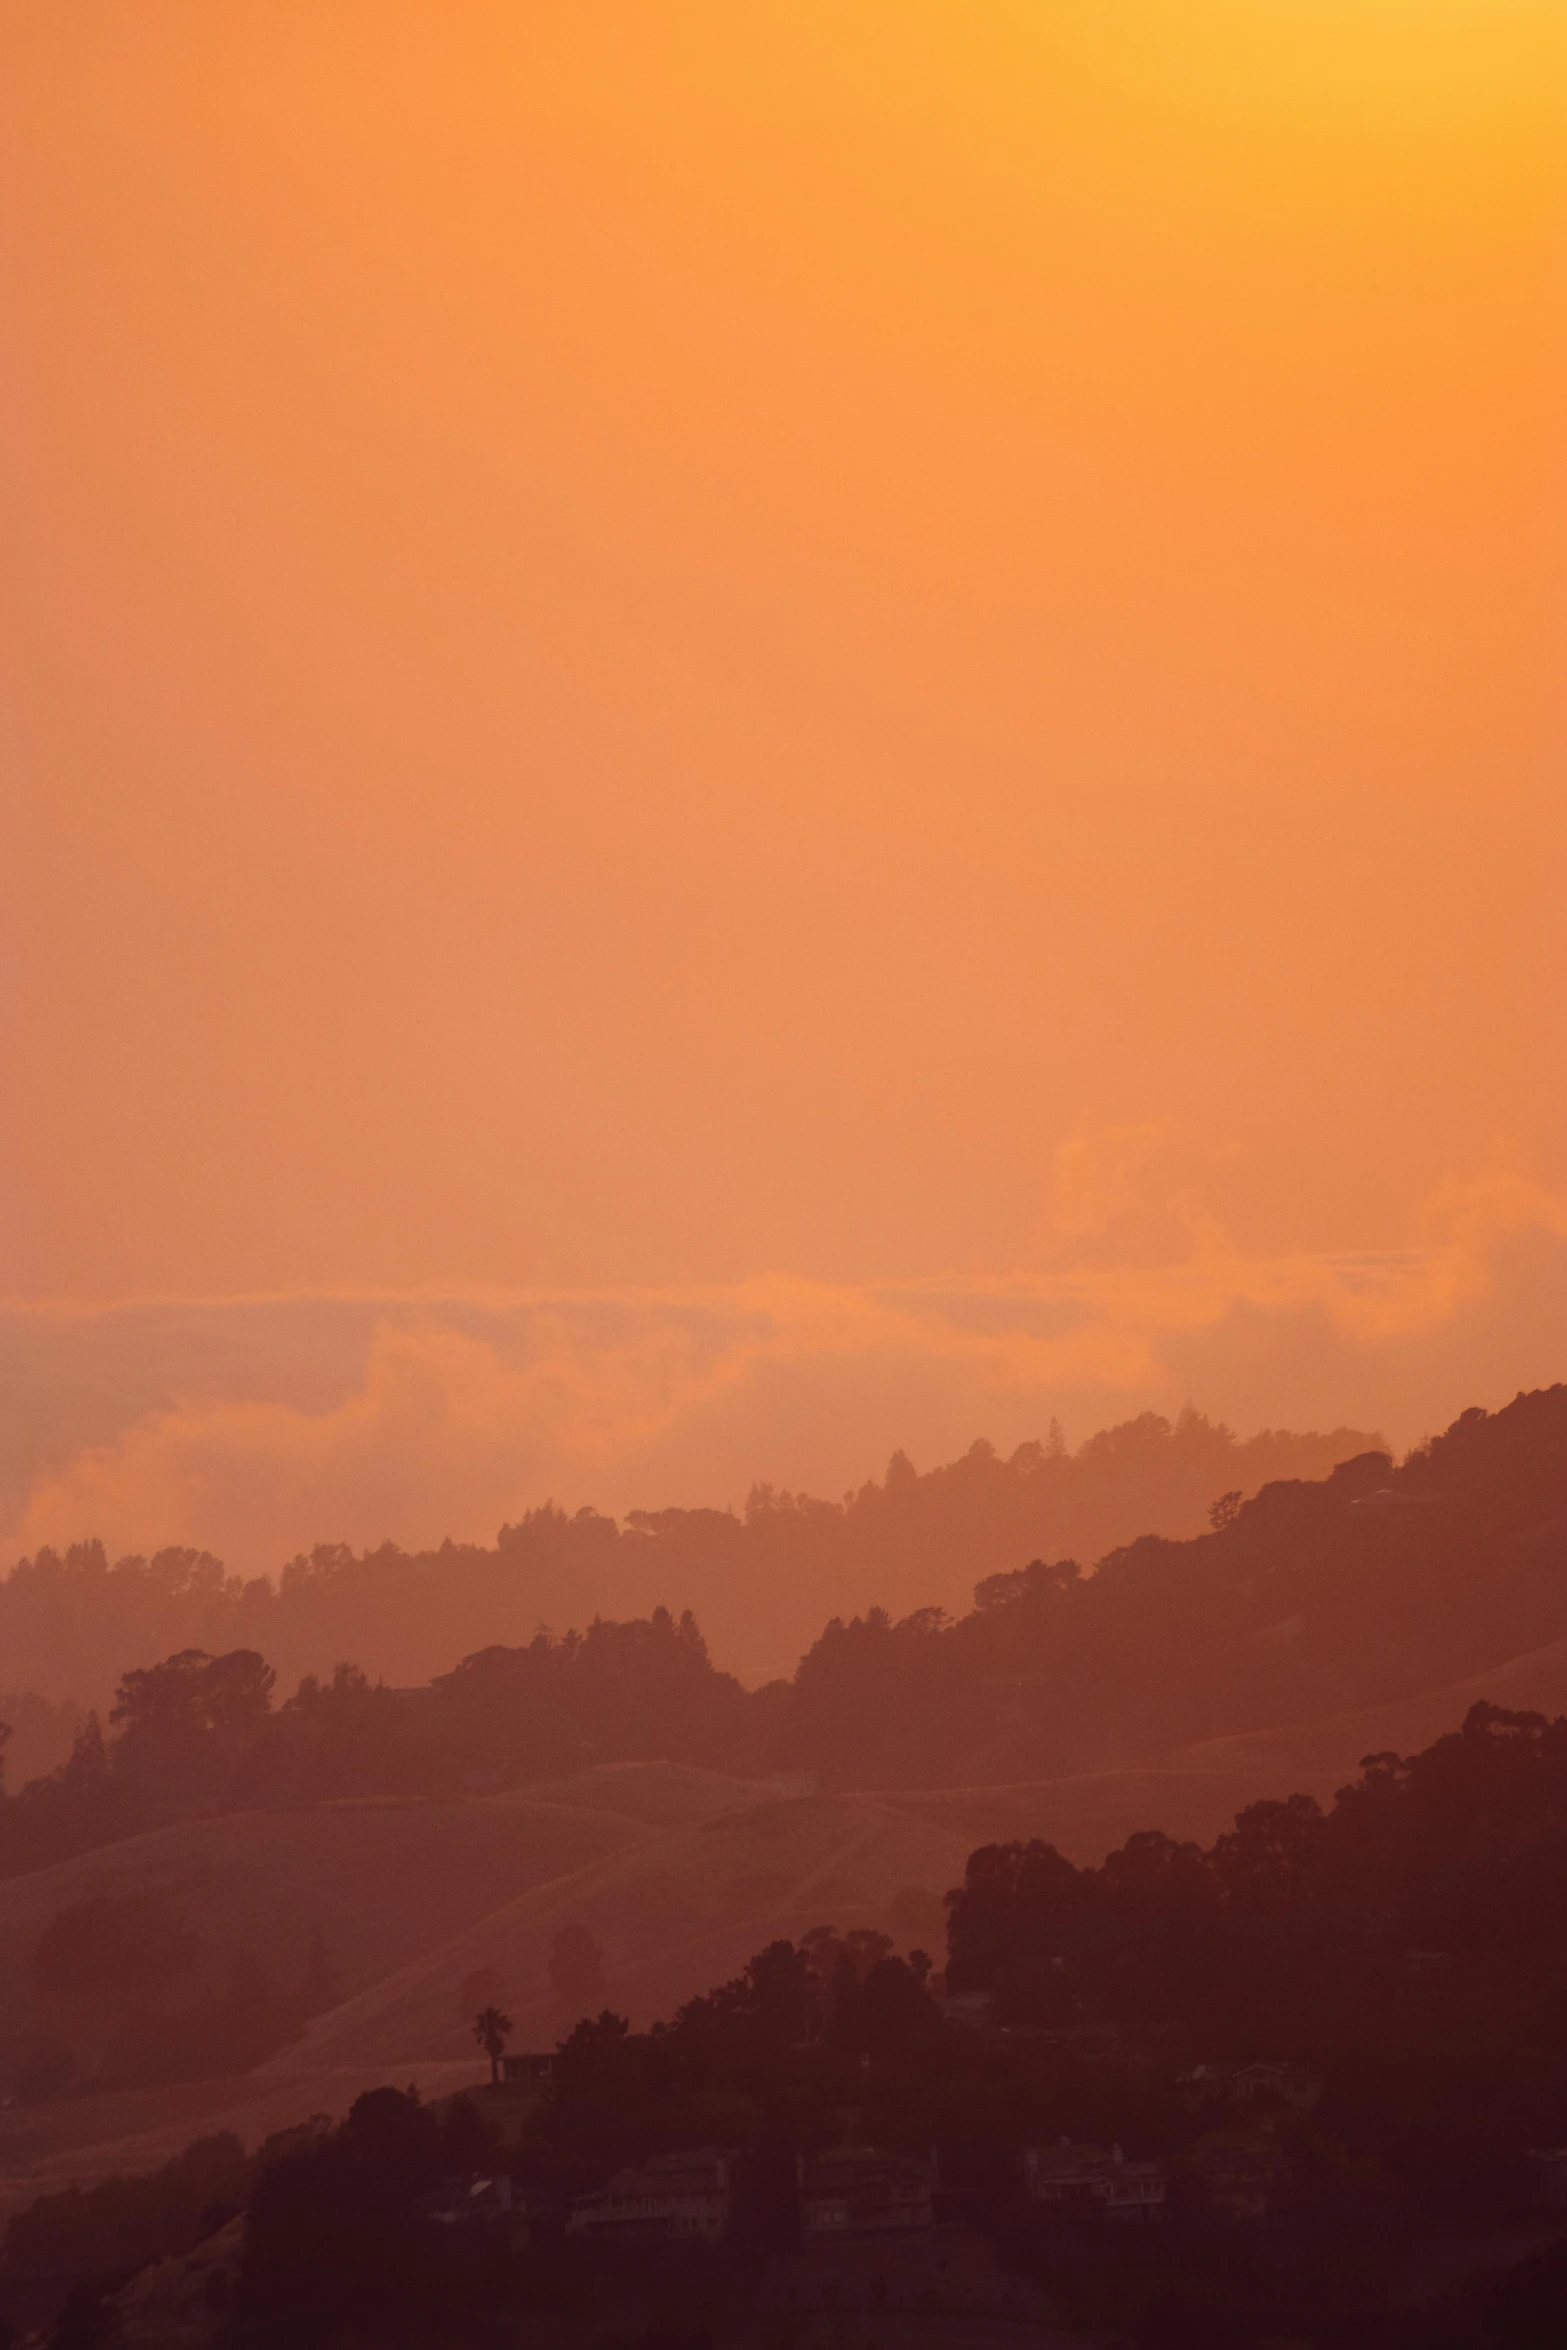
(1325, 2045)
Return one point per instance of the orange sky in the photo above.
(648, 647)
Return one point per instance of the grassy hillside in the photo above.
(681, 1874)
(674, 1912)
(1333, 1745)
(380, 1881)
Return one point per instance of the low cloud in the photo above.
(258, 1427)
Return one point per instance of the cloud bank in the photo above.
(257, 1427)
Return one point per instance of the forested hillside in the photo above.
(1370, 1584)
(762, 1584)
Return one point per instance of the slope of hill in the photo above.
(1335, 1744)
(1367, 1587)
(680, 1874)
(378, 1881)
(79, 2140)
(674, 1912)
(385, 1883)
(685, 1905)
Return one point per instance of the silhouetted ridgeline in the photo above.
(761, 1585)
(1312, 1598)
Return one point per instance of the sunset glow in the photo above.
(690, 664)
(783, 1174)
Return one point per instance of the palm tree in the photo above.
(492, 2029)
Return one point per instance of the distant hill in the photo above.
(762, 1583)
(1335, 1744)
(1316, 1598)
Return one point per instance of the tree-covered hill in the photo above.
(1314, 1596)
(761, 1583)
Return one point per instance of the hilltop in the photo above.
(1314, 1599)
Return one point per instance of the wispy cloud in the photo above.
(258, 1426)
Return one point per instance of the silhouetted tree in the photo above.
(492, 2029)
(468, 2143)
(330, 2234)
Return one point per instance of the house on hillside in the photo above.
(1086, 2181)
(674, 2198)
(859, 2191)
(526, 2066)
